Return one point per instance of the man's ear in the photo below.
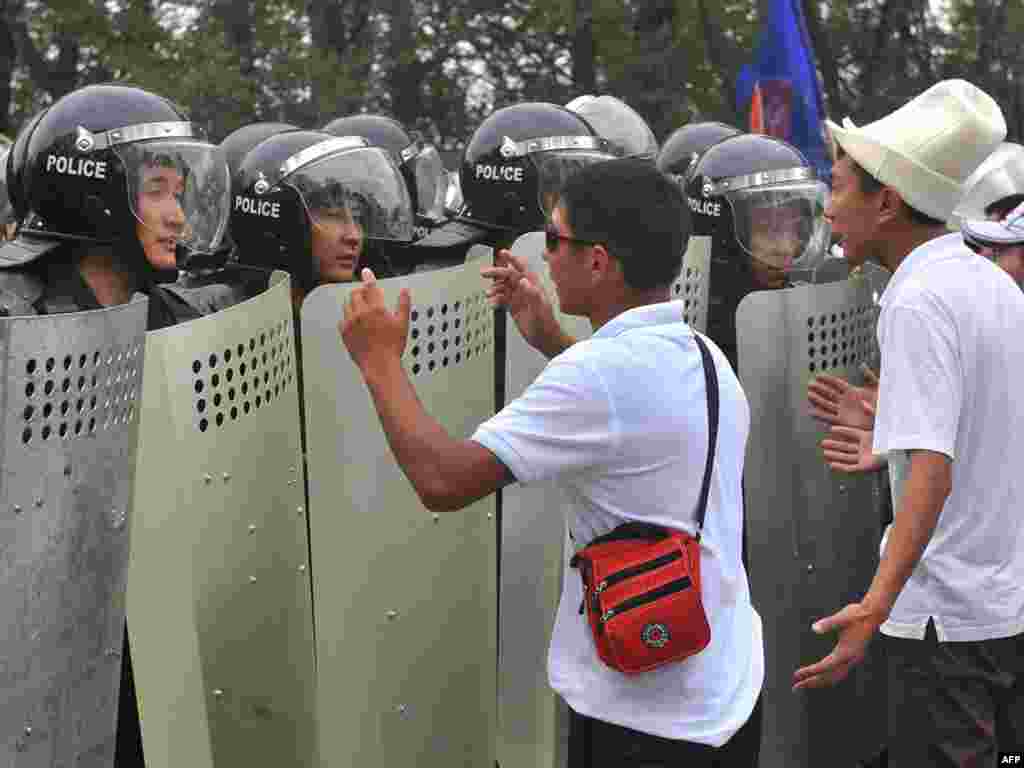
(601, 262)
(890, 205)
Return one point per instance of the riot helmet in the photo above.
(627, 133)
(687, 143)
(758, 211)
(6, 209)
(116, 164)
(310, 203)
(419, 162)
(15, 166)
(998, 178)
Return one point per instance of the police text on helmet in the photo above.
(499, 172)
(706, 207)
(257, 207)
(76, 166)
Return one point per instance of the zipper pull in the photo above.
(583, 601)
(604, 618)
(601, 587)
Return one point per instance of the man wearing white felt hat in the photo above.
(947, 596)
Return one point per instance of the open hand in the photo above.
(848, 449)
(856, 625)
(370, 331)
(834, 400)
(520, 291)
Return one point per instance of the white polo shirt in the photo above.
(619, 421)
(951, 331)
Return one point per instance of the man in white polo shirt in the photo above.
(620, 422)
(948, 595)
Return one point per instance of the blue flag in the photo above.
(780, 88)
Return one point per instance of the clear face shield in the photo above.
(781, 224)
(431, 180)
(179, 193)
(6, 209)
(360, 187)
(627, 133)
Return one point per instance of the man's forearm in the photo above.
(927, 486)
(416, 439)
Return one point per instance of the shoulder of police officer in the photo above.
(20, 291)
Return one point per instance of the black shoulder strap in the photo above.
(711, 386)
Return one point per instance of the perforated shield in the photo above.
(533, 719)
(813, 533)
(70, 387)
(694, 282)
(405, 600)
(219, 603)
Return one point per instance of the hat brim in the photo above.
(24, 250)
(454, 234)
(992, 232)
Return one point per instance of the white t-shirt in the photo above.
(951, 332)
(619, 421)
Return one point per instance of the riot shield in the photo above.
(533, 720)
(405, 600)
(219, 604)
(813, 533)
(69, 399)
(694, 282)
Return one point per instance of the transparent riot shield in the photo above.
(813, 533)
(405, 600)
(219, 604)
(69, 400)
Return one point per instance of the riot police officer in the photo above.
(628, 134)
(759, 203)
(111, 186)
(512, 171)
(687, 143)
(310, 203)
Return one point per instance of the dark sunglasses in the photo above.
(552, 236)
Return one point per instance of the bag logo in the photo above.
(655, 636)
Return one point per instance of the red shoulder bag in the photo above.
(641, 582)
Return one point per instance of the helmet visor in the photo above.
(361, 186)
(6, 209)
(555, 167)
(782, 227)
(431, 183)
(178, 190)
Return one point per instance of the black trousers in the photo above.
(597, 744)
(954, 705)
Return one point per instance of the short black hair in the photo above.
(869, 185)
(636, 212)
(1004, 205)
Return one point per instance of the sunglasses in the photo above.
(552, 237)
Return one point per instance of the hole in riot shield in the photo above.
(92, 424)
(26, 436)
(48, 388)
(245, 406)
(231, 393)
(82, 360)
(216, 400)
(215, 380)
(213, 361)
(203, 425)
(444, 362)
(78, 427)
(47, 410)
(227, 355)
(220, 419)
(81, 383)
(30, 367)
(230, 374)
(241, 369)
(458, 357)
(96, 357)
(46, 432)
(416, 369)
(29, 410)
(240, 349)
(263, 341)
(199, 386)
(50, 363)
(201, 405)
(259, 401)
(415, 315)
(63, 431)
(245, 387)
(234, 413)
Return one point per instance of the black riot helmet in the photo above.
(627, 133)
(6, 209)
(687, 143)
(298, 185)
(419, 162)
(108, 163)
(758, 207)
(15, 167)
(236, 145)
(517, 161)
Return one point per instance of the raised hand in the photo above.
(848, 449)
(834, 400)
(520, 291)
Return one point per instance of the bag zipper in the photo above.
(636, 570)
(647, 597)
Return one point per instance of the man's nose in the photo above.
(174, 215)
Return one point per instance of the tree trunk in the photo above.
(583, 75)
